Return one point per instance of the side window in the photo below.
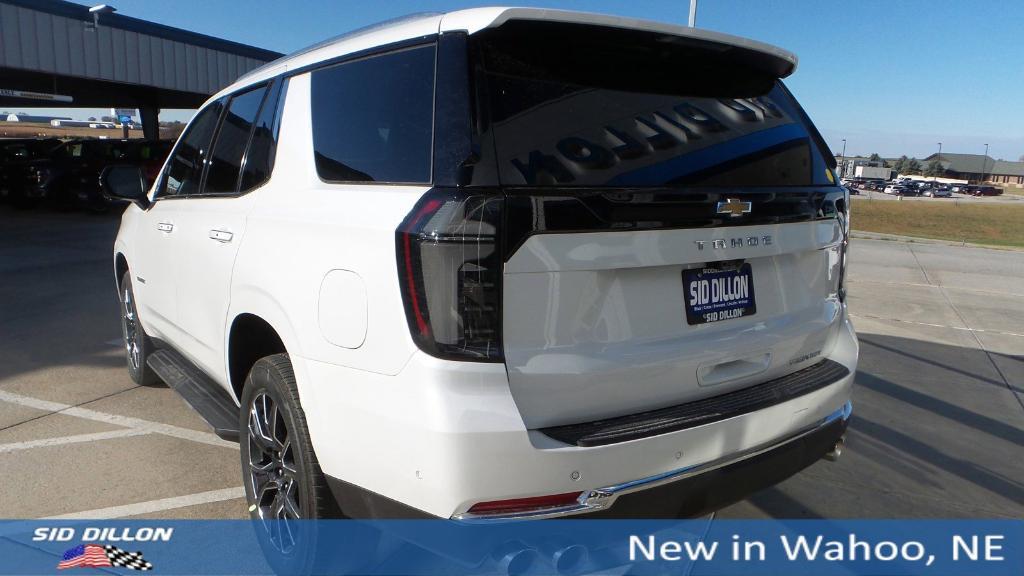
(259, 159)
(373, 118)
(185, 169)
(232, 138)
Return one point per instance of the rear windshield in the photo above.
(632, 109)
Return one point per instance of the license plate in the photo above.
(714, 294)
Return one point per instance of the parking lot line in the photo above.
(117, 420)
(923, 285)
(77, 438)
(155, 505)
(981, 345)
(961, 328)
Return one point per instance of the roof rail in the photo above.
(361, 31)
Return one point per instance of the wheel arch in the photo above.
(120, 267)
(250, 338)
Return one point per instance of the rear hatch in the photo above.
(673, 230)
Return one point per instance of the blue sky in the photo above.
(893, 77)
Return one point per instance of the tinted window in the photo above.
(259, 160)
(373, 118)
(35, 149)
(232, 138)
(74, 149)
(626, 109)
(151, 150)
(15, 151)
(186, 166)
(104, 150)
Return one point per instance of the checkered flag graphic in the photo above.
(122, 559)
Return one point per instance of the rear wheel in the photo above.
(284, 485)
(282, 476)
(136, 344)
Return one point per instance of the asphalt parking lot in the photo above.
(939, 401)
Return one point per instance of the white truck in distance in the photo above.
(873, 172)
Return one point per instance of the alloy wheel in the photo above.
(273, 472)
(130, 329)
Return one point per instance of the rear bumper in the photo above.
(694, 490)
(439, 437)
(682, 493)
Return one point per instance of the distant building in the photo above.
(38, 119)
(81, 124)
(979, 168)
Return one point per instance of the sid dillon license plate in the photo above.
(714, 294)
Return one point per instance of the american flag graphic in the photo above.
(97, 556)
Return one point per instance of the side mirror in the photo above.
(125, 182)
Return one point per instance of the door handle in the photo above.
(221, 235)
(165, 227)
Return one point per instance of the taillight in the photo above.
(449, 267)
(843, 214)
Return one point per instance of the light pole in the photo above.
(842, 158)
(984, 165)
(693, 13)
(939, 160)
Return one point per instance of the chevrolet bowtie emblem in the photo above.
(734, 207)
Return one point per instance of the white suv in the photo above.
(499, 264)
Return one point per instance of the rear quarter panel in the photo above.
(300, 229)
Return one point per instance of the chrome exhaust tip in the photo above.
(836, 451)
(515, 558)
(569, 559)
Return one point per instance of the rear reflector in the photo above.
(525, 504)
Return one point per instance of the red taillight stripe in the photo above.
(410, 278)
(525, 504)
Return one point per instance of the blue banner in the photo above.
(570, 547)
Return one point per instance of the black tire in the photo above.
(271, 378)
(137, 345)
(279, 463)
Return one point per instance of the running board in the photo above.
(203, 394)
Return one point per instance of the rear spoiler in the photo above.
(768, 59)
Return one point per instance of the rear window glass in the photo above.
(373, 118)
(566, 125)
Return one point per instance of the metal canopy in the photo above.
(52, 47)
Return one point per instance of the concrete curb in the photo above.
(918, 240)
